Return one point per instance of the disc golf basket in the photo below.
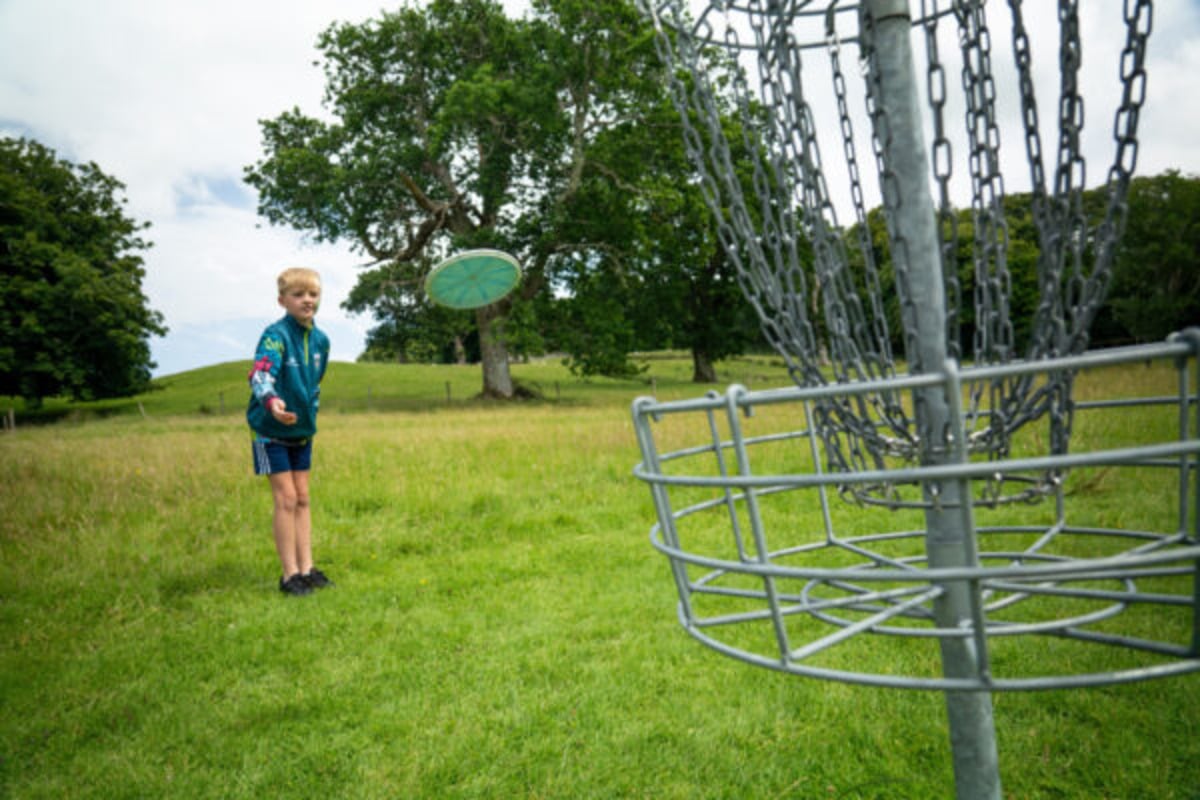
(940, 501)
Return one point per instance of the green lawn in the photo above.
(500, 627)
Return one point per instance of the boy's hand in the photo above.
(279, 411)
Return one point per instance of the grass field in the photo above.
(500, 628)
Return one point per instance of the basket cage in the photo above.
(779, 563)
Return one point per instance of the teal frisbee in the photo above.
(472, 279)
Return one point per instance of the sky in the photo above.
(166, 96)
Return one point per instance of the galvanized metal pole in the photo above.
(950, 533)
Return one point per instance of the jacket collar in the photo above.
(291, 322)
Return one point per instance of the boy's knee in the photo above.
(287, 501)
(301, 501)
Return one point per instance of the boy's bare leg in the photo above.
(303, 523)
(283, 492)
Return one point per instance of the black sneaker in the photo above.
(317, 579)
(295, 585)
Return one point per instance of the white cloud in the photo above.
(166, 98)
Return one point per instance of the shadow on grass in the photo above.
(180, 587)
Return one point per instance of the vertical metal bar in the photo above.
(957, 452)
(730, 497)
(949, 539)
(732, 409)
(1194, 479)
(818, 469)
(1190, 468)
(1185, 414)
(1194, 335)
(642, 412)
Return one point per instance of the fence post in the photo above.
(448, 398)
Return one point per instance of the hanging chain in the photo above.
(993, 325)
(815, 286)
(1138, 16)
(941, 157)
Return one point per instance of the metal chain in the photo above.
(1138, 16)
(881, 136)
(993, 325)
(767, 188)
(941, 157)
(880, 360)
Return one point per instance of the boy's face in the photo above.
(301, 303)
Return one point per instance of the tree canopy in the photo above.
(73, 317)
(1156, 279)
(453, 127)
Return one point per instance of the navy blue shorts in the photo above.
(279, 455)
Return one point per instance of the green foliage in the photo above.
(597, 335)
(1155, 285)
(655, 259)
(412, 329)
(73, 318)
(549, 136)
(1156, 281)
(440, 114)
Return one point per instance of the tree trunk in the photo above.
(703, 370)
(460, 351)
(493, 353)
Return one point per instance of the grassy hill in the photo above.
(351, 387)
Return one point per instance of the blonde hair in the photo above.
(302, 277)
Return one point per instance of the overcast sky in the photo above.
(166, 95)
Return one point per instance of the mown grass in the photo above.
(500, 627)
(352, 388)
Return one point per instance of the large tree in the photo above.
(73, 318)
(452, 127)
(424, 148)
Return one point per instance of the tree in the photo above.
(1156, 276)
(454, 128)
(73, 318)
(426, 151)
(656, 263)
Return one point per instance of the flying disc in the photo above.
(472, 279)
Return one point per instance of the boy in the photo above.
(285, 391)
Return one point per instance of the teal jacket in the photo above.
(289, 363)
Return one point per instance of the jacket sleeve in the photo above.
(268, 358)
(324, 358)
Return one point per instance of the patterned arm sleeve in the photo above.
(267, 360)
